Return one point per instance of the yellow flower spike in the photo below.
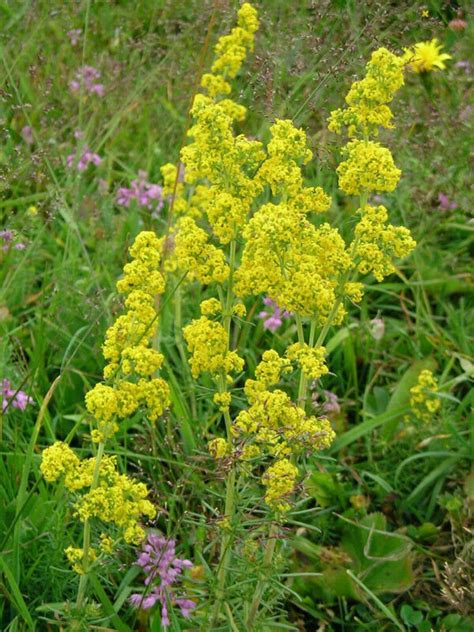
(208, 342)
(368, 167)
(311, 360)
(423, 400)
(75, 557)
(223, 400)
(377, 243)
(280, 481)
(197, 256)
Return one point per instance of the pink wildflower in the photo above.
(27, 135)
(145, 194)
(163, 569)
(272, 318)
(85, 158)
(87, 76)
(15, 399)
(445, 204)
(74, 35)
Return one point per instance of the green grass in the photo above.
(57, 297)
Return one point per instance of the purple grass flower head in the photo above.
(445, 203)
(6, 235)
(74, 36)
(144, 193)
(273, 315)
(87, 77)
(13, 398)
(163, 570)
(84, 159)
(27, 134)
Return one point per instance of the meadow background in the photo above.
(70, 240)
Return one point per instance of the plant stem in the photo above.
(267, 560)
(303, 381)
(229, 296)
(225, 552)
(81, 592)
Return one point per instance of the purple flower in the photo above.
(74, 35)
(6, 235)
(87, 76)
(445, 204)
(15, 399)
(27, 134)
(86, 157)
(146, 194)
(162, 569)
(272, 318)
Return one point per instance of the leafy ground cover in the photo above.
(95, 100)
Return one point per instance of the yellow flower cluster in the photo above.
(208, 343)
(218, 448)
(280, 480)
(310, 359)
(281, 170)
(75, 558)
(113, 498)
(367, 99)
(127, 345)
(290, 260)
(231, 51)
(423, 400)
(272, 426)
(368, 167)
(426, 57)
(223, 400)
(227, 162)
(376, 243)
(196, 255)
(210, 307)
(272, 420)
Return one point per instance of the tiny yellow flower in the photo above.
(32, 211)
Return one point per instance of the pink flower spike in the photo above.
(445, 204)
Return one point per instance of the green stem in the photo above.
(81, 592)
(303, 383)
(267, 561)
(226, 551)
(230, 286)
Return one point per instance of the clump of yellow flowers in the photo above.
(303, 264)
(244, 223)
(101, 494)
(424, 401)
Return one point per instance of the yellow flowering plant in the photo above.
(248, 225)
(243, 223)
